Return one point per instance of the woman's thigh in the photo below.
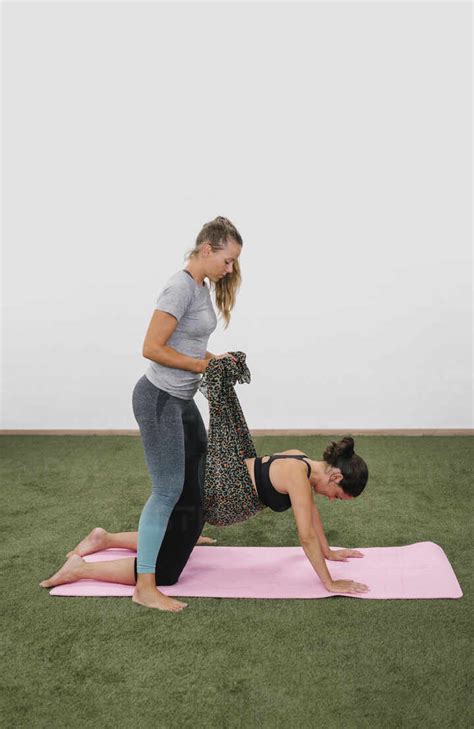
(195, 435)
(160, 418)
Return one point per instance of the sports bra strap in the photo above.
(289, 455)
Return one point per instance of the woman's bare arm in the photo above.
(302, 503)
(318, 526)
(160, 329)
(299, 491)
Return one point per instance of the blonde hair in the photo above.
(217, 233)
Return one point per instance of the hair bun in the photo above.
(349, 446)
(344, 448)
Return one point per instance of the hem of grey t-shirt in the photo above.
(173, 394)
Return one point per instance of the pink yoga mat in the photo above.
(415, 571)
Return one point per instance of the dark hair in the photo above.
(217, 233)
(353, 468)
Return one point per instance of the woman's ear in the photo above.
(337, 475)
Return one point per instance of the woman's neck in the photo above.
(196, 272)
(317, 472)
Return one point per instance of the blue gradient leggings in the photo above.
(171, 430)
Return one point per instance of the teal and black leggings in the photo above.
(174, 441)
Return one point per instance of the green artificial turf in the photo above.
(333, 663)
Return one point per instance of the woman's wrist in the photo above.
(203, 365)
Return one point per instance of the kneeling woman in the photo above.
(280, 481)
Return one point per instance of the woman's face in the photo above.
(329, 486)
(220, 263)
(336, 492)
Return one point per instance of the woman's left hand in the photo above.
(226, 354)
(340, 555)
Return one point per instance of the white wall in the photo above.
(336, 137)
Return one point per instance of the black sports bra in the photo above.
(266, 492)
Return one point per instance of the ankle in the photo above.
(83, 569)
(145, 581)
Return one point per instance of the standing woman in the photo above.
(169, 420)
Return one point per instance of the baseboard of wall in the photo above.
(262, 432)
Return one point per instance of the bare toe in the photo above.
(69, 572)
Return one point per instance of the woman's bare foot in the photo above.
(206, 540)
(69, 572)
(156, 599)
(94, 542)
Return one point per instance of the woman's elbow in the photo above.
(150, 352)
(308, 538)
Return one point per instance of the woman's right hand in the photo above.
(204, 364)
(346, 586)
(218, 356)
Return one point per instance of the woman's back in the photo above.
(270, 475)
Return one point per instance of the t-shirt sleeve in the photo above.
(175, 298)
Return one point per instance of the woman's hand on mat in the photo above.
(340, 555)
(346, 586)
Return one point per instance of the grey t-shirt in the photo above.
(191, 305)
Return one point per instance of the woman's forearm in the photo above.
(169, 357)
(209, 355)
(314, 553)
(319, 529)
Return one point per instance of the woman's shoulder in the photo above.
(179, 284)
(286, 472)
(292, 452)
(181, 279)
